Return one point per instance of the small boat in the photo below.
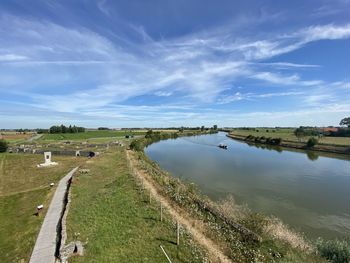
(222, 146)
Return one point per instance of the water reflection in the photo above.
(313, 156)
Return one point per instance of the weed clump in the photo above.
(337, 251)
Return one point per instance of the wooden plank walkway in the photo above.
(45, 246)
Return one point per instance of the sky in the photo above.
(165, 63)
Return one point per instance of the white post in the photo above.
(161, 212)
(167, 257)
(177, 233)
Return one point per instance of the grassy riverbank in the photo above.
(109, 210)
(244, 236)
(23, 186)
(262, 140)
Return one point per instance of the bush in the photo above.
(337, 251)
(312, 142)
(3, 146)
(136, 145)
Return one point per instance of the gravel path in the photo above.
(45, 246)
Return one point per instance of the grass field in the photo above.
(120, 225)
(287, 134)
(14, 137)
(89, 135)
(23, 186)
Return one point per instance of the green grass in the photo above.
(287, 134)
(108, 210)
(19, 226)
(23, 186)
(88, 135)
(18, 172)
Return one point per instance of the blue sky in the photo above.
(161, 63)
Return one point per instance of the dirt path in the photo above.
(23, 191)
(36, 137)
(193, 226)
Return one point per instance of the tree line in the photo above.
(64, 129)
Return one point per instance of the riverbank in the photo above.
(326, 148)
(242, 235)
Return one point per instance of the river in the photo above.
(309, 192)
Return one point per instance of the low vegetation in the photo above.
(263, 139)
(113, 215)
(3, 146)
(336, 251)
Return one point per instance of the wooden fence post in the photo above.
(177, 233)
(166, 254)
(161, 212)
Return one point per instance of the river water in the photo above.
(309, 192)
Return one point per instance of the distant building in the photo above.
(330, 129)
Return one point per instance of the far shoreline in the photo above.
(321, 148)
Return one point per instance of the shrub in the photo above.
(337, 251)
(136, 145)
(278, 141)
(3, 146)
(311, 142)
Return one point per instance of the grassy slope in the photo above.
(108, 210)
(88, 135)
(287, 134)
(18, 172)
(22, 188)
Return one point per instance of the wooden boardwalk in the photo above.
(45, 246)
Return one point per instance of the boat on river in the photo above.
(222, 146)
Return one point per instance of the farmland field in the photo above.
(287, 134)
(15, 136)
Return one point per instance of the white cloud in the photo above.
(329, 32)
(238, 96)
(163, 93)
(12, 57)
(287, 65)
(100, 74)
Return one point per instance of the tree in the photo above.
(149, 134)
(345, 121)
(215, 127)
(299, 133)
(311, 142)
(202, 128)
(3, 146)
